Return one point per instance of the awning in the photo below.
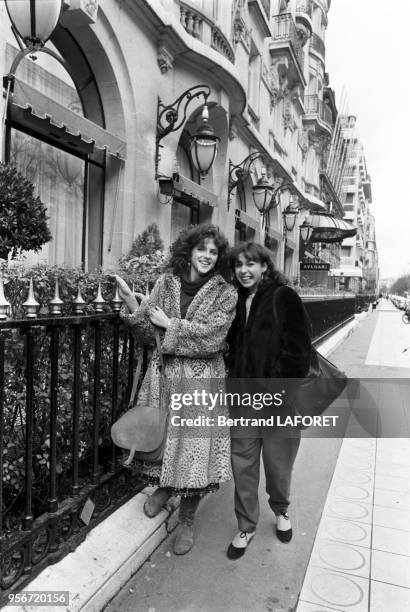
(187, 191)
(314, 201)
(29, 105)
(355, 272)
(327, 228)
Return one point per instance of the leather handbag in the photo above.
(142, 429)
(323, 383)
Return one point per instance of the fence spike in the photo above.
(31, 306)
(4, 304)
(79, 304)
(99, 300)
(116, 302)
(56, 303)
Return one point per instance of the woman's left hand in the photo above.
(158, 317)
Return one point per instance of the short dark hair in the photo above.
(253, 251)
(191, 237)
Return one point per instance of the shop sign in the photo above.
(314, 265)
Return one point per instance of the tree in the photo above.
(400, 285)
(23, 216)
(146, 243)
(145, 260)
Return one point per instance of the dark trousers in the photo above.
(278, 455)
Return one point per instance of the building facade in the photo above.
(359, 270)
(86, 132)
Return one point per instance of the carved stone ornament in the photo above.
(165, 59)
(274, 97)
(82, 12)
(287, 115)
(280, 67)
(303, 33)
(233, 133)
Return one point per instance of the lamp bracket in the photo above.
(9, 78)
(170, 117)
(238, 173)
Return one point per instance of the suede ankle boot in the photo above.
(184, 540)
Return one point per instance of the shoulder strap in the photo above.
(275, 310)
(138, 368)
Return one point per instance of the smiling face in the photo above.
(249, 273)
(203, 259)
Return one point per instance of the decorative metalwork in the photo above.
(239, 173)
(79, 304)
(171, 117)
(116, 302)
(31, 306)
(56, 303)
(48, 524)
(4, 304)
(99, 300)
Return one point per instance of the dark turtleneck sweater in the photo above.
(189, 289)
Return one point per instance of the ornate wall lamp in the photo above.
(306, 230)
(204, 143)
(289, 215)
(32, 23)
(265, 195)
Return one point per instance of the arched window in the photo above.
(56, 137)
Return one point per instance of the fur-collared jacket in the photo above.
(193, 349)
(263, 347)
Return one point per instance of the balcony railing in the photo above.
(318, 45)
(284, 30)
(221, 44)
(315, 106)
(195, 23)
(304, 6)
(63, 382)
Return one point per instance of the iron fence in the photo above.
(63, 382)
(327, 314)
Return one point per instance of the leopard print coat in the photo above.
(196, 459)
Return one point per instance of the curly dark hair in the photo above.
(253, 251)
(191, 237)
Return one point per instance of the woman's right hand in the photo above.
(126, 294)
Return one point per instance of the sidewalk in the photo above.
(101, 566)
(361, 556)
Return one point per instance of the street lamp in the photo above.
(306, 230)
(289, 215)
(34, 22)
(204, 143)
(264, 193)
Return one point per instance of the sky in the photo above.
(367, 55)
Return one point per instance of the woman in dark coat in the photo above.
(264, 345)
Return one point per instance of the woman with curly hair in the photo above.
(193, 307)
(263, 345)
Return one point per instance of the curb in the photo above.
(111, 553)
(100, 567)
